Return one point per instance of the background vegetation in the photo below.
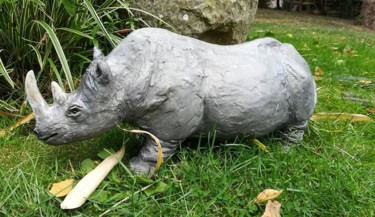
(330, 174)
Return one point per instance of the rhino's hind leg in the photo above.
(145, 162)
(293, 134)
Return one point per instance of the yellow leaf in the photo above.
(318, 71)
(260, 145)
(272, 209)
(365, 82)
(317, 78)
(62, 188)
(371, 110)
(341, 116)
(289, 35)
(267, 194)
(24, 120)
(160, 150)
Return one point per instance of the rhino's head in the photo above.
(82, 114)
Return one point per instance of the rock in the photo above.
(214, 21)
(368, 13)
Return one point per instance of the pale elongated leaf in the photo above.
(18, 123)
(341, 116)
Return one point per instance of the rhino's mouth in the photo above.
(46, 138)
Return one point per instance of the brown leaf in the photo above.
(123, 31)
(341, 116)
(61, 189)
(17, 124)
(9, 115)
(272, 209)
(318, 71)
(160, 150)
(267, 194)
(371, 110)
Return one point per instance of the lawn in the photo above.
(331, 173)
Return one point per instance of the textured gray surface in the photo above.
(175, 86)
(215, 21)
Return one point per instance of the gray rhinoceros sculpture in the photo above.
(175, 87)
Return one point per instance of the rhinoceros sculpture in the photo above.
(175, 86)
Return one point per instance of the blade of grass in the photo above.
(99, 22)
(4, 73)
(76, 32)
(60, 53)
(53, 66)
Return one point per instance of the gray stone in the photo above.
(214, 21)
(175, 86)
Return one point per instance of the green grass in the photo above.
(332, 173)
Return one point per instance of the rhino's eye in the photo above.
(74, 111)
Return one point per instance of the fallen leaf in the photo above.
(318, 78)
(160, 150)
(371, 110)
(260, 145)
(9, 115)
(365, 82)
(267, 194)
(272, 209)
(341, 116)
(289, 35)
(17, 124)
(62, 188)
(319, 71)
(123, 31)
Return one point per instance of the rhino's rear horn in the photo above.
(103, 72)
(97, 53)
(58, 94)
(38, 104)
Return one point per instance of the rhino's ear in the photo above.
(103, 72)
(98, 54)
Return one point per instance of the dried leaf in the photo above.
(365, 82)
(272, 209)
(341, 116)
(160, 150)
(61, 189)
(9, 115)
(267, 194)
(17, 124)
(371, 110)
(318, 78)
(318, 71)
(260, 145)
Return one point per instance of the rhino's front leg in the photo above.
(145, 162)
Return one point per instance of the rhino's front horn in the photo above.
(59, 96)
(38, 104)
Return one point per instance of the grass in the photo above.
(330, 174)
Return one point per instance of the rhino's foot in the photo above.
(145, 162)
(292, 135)
(141, 166)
